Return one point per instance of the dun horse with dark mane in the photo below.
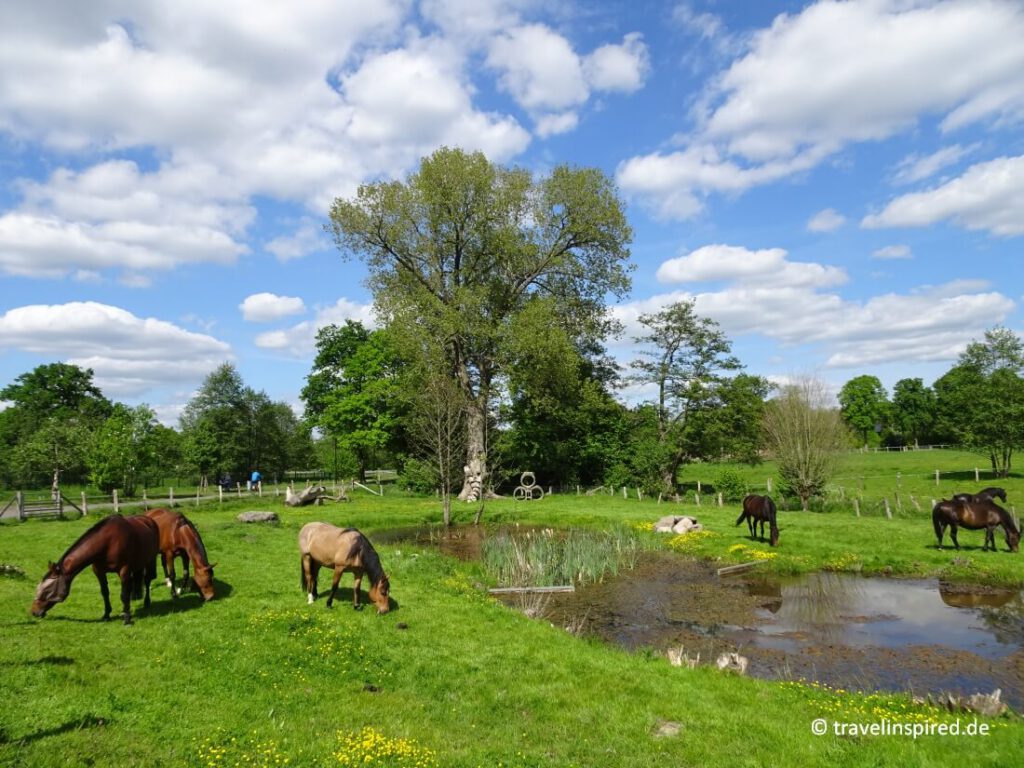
(343, 549)
(126, 546)
(760, 509)
(974, 512)
(179, 538)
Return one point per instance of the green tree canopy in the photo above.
(913, 409)
(864, 405)
(686, 358)
(462, 246)
(354, 392)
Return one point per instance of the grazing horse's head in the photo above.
(1012, 538)
(53, 589)
(379, 594)
(774, 540)
(203, 578)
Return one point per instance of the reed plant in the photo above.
(549, 557)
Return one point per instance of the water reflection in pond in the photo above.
(843, 630)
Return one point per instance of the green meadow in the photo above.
(450, 677)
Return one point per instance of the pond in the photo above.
(917, 636)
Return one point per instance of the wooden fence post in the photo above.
(936, 477)
(85, 504)
(659, 498)
(624, 492)
(21, 505)
(976, 479)
(170, 497)
(238, 487)
(220, 494)
(197, 495)
(856, 507)
(769, 485)
(117, 509)
(888, 512)
(145, 500)
(719, 500)
(698, 487)
(696, 499)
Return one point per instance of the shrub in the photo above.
(731, 485)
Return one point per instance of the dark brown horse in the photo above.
(974, 514)
(760, 509)
(179, 538)
(343, 549)
(126, 546)
(990, 494)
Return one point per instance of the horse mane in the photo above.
(89, 532)
(184, 521)
(1006, 519)
(371, 560)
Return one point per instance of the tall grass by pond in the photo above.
(548, 557)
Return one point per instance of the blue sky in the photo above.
(839, 185)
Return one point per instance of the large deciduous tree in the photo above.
(46, 430)
(686, 358)
(123, 449)
(980, 401)
(805, 433)
(913, 409)
(353, 393)
(864, 405)
(462, 247)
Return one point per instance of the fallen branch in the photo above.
(519, 590)
(738, 568)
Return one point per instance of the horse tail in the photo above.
(937, 522)
(743, 515)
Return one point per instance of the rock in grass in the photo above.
(258, 517)
(667, 729)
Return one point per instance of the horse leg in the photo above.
(338, 570)
(990, 538)
(358, 573)
(104, 590)
(168, 558)
(751, 524)
(952, 535)
(185, 577)
(147, 576)
(126, 593)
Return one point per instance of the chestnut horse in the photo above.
(179, 538)
(760, 509)
(974, 513)
(343, 549)
(126, 546)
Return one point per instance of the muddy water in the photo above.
(847, 631)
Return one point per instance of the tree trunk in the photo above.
(475, 482)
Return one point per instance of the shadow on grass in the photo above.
(186, 602)
(58, 661)
(343, 599)
(81, 723)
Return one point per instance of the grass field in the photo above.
(450, 677)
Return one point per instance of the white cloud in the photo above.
(618, 67)
(306, 239)
(914, 168)
(539, 68)
(765, 294)
(112, 216)
(265, 307)
(551, 125)
(300, 339)
(988, 196)
(827, 220)
(893, 252)
(129, 354)
(805, 89)
(767, 268)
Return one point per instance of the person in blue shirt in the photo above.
(256, 481)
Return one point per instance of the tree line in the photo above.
(978, 404)
(489, 358)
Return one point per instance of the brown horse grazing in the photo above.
(760, 509)
(974, 514)
(126, 546)
(343, 549)
(179, 538)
